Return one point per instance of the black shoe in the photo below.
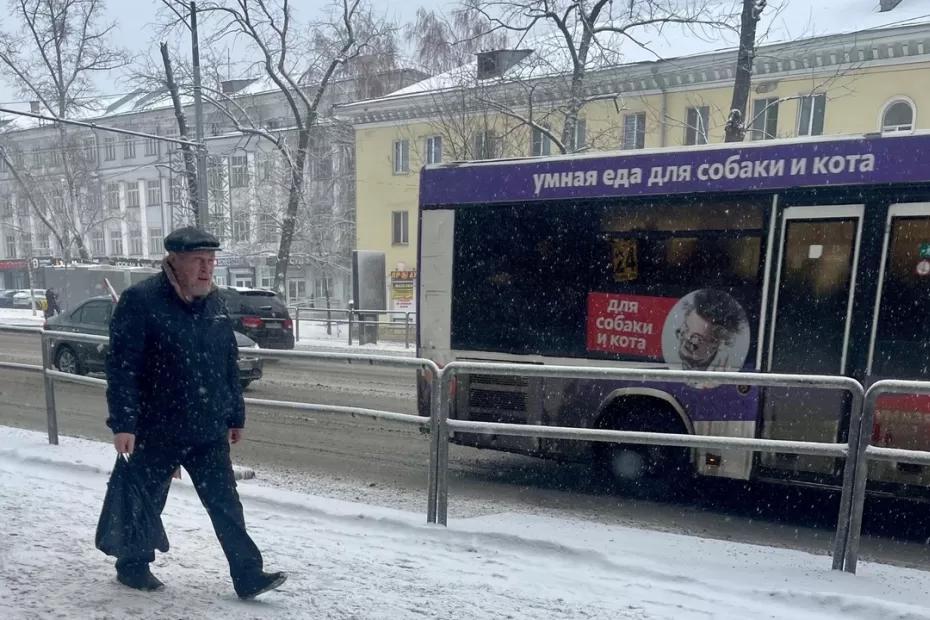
(139, 580)
(260, 584)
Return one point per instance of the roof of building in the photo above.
(783, 21)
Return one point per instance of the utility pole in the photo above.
(202, 210)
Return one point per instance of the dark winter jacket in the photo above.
(172, 366)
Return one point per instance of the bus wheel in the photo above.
(642, 467)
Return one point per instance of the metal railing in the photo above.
(351, 318)
(446, 426)
(50, 376)
(867, 452)
(857, 452)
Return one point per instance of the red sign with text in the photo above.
(627, 324)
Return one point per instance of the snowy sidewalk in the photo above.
(357, 561)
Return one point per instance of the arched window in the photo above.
(898, 116)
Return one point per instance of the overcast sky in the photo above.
(136, 18)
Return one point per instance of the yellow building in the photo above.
(862, 82)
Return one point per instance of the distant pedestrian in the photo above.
(51, 303)
(174, 399)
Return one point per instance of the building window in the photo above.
(899, 116)
(42, 245)
(156, 242)
(135, 242)
(38, 157)
(321, 158)
(241, 227)
(132, 195)
(243, 280)
(109, 148)
(322, 287)
(267, 228)
(810, 115)
(580, 138)
(296, 289)
(238, 171)
(152, 193)
(401, 156)
(116, 242)
(129, 147)
(267, 282)
(6, 207)
(90, 150)
(486, 145)
(98, 243)
(11, 246)
(764, 124)
(542, 144)
(25, 243)
(634, 131)
(696, 125)
(151, 147)
(399, 228)
(112, 196)
(434, 150)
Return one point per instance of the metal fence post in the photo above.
(857, 501)
(297, 321)
(442, 446)
(407, 330)
(349, 319)
(435, 400)
(850, 469)
(50, 411)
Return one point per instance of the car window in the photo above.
(252, 301)
(97, 313)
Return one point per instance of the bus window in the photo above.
(528, 288)
(902, 343)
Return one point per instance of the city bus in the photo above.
(805, 256)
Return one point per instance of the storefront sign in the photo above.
(12, 265)
(403, 290)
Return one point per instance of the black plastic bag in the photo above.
(128, 522)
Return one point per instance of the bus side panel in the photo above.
(434, 311)
(437, 230)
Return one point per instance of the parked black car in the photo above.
(93, 317)
(261, 315)
(6, 297)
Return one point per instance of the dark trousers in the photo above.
(210, 469)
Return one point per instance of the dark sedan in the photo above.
(93, 317)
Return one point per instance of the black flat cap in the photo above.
(191, 239)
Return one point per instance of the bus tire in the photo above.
(642, 467)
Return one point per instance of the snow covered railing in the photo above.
(445, 426)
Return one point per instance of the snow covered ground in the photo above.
(351, 560)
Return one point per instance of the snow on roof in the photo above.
(783, 21)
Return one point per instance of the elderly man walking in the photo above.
(174, 399)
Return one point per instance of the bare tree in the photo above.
(574, 38)
(303, 69)
(190, 161)
(735, 128)
(441, 45)
(51, 54)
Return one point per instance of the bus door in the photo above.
(900, 343)
(809, 329)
